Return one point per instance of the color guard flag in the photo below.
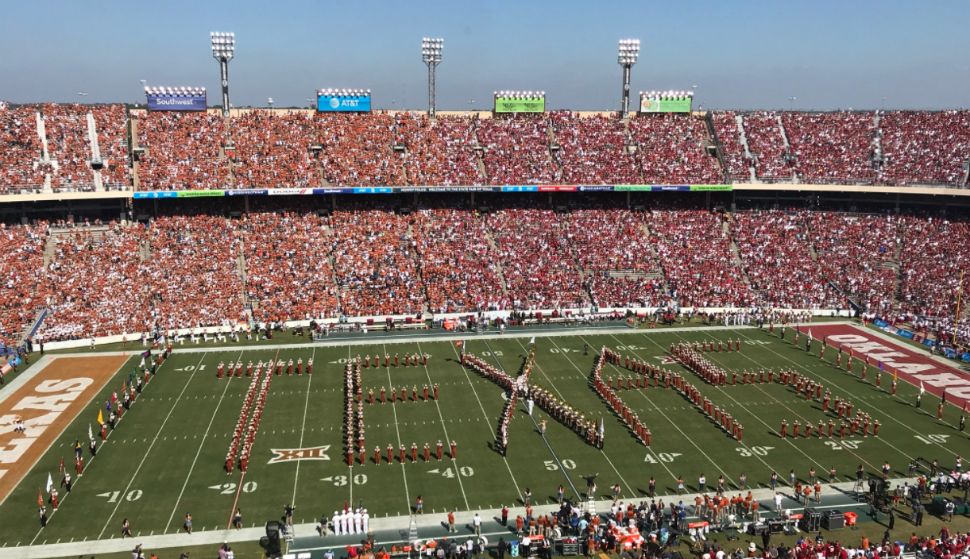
(921, 389)
(602, 428)
(90, 434)
(50, 482)
(100, 418)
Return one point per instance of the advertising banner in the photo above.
(661, 105)
(519, 105)
(176, 102)
(338, 103)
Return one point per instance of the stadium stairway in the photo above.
(735, 251)
(490, 239)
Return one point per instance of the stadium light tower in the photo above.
(431, 54)
(223, 49)
(627, 52)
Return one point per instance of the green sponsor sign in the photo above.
(200, 193)
(512, 105)
(648, 105)
(711, 188)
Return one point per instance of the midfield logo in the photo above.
(294, 454)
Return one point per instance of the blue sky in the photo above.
(740, 54)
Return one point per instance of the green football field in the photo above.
(166, 458)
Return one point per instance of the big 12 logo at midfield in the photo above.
(294, 454)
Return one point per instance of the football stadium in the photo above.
(348, 329)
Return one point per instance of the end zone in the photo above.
(48, 401)
(911, 365)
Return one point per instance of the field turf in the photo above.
(166, 457)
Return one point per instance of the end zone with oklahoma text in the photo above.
(912, 366)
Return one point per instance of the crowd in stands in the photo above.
(729, 139)
(358, 150)
(440, 151)
(20, 265)
(538, 265)
(516, 150)
(933, 263)
(287, 260)
(858, 253)
(272, 150)
(183, 151)
(767, 146)
(672, 150)
(294, 148)
(20, 148)
(613, 247)
(458, 266)
(592, 150)
(696, 257)
(375, 265)
(832, 147)
(924, 147)
(370, 257)
(777, 260)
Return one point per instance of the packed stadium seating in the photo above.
(925, 147)
(257, 148)
(729, 139)
(695, 254)
(592, 150)
(183, 151)
(516, 150)
(20, 149)
(440, 152)
(20, 269)
(832, 147)
(777, 260)
(272, 150)
(374, 257)
(767, 146)
(671, 149)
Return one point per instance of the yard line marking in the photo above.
(665, 416)
(199, 451)
(306, 406)
(742, 406)
(484, 414)
(148, 451)
(843, 390)
(404, 472)
(447, 438)
(554, 387)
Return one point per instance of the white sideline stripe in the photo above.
(447, 438)
(202, 444)
(150, 446)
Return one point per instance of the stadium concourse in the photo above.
(46, 148)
